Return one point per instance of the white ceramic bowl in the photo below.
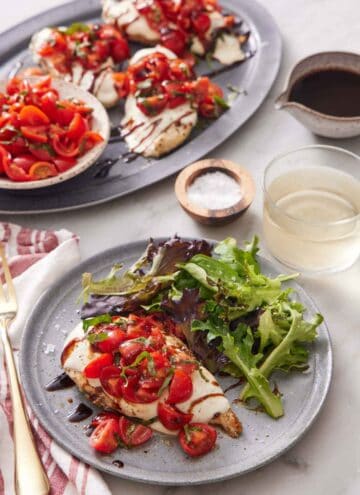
(101, 124)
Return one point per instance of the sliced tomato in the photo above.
(77, 128)
(120, 50)
(94, 368)
(111, 381)
(156, 339)
(42, 170)
(104, 416)
(15, 173)
(43, 152)
(152, 105)
(171, 418)
(122, 84)
(197, 439)
(129, 350)
(181, 70)
(115, 337)
(24, 162)
(89, 140)
(63, 164)
(134, 392)
(181, 387)
(174, 40)
(35, 133)
(201, 22)
(64, 146)
(30, 115)
(4, 158)
(207, 108)
(104, 438)
(133, 434)
(178, 93)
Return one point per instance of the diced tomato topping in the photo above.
(174, 40)
(104, 438)
(129, 350)
(88, 45)
(115, 337)
(197, 439)
(111, 381)
(171, 418)
(95, 367)
(133, 434)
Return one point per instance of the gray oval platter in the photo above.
(111, 176)
(162, 461)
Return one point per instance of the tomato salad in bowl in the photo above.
(50, 131)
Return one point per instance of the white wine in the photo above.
(312, 218)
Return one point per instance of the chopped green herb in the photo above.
(76, 27)
(221, 102)
(166, 382)
(93, 338)
(92, 322)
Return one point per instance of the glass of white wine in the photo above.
(312, 208)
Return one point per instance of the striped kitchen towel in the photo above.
(37, 258)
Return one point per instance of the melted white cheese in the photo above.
(147, 130)
(144, 52)
(127, 17)
(104, 88)
(197, 47)
(204, 385)
(228, 50)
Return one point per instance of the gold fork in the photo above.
(30, 477)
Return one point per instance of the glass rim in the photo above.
(303, 148)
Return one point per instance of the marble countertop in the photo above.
(327, 459)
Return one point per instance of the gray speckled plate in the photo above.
(162, 461)
(112, 176)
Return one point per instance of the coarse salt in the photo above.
(214, 191)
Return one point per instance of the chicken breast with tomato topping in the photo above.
(85, 54)
(163, 101)
(195, 25)
(133, 366)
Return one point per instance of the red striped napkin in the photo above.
(37, 258)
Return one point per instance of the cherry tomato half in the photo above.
(42, 170)
(104, 438)
(115, 337)
(96, 365)
(35, 133)
(197, 439)
(64, 147)
(181, 387)
(133, 434)
(171, 418)
(174, 40)
(32, 115)
(152, 105)
(111, 380)
(77, 127)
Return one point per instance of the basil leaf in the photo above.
(221, 102)
(90, 322)
(97, 337)
(76, 27)
(166, 382)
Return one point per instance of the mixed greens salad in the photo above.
(235, 319)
